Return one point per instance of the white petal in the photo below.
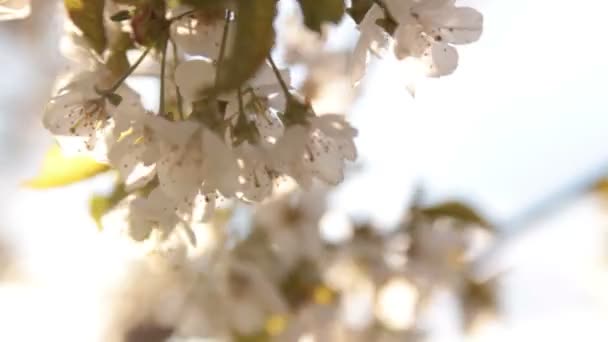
(372, 37)
(155, 211)
(459, 25)
(277, 101)
(255, 182)
(198, 36)
(14, 9)
(334, 125)
(193, 76)
(265, 77)
(325, 159)
(220, 169)
(410, 41)
(440, 59)
(177, 133)
(179, 170)
(79, 126)
(127, 157)
(270, 126)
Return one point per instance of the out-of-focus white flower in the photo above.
(299, 42)
(291, 222)
(372, 39)
(328, 86)
(252, 298)
(14, 9)
(157, 211)
(396, 304)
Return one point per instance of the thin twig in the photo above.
(277, 73)
(222, 52)
(180, 100)
(180, 16)
(163, 67)
(128, 73)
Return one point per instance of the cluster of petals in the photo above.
(425, 34)
(178, 167)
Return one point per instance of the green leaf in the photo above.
(121, 15)
(59, 170)
(388, 25)
(456, 210)
(87, 15)
(99, 205)
(259, 337)
(359, 9)
(318, 12)
(253, 39)
(117, 60)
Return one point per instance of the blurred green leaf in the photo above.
(253, 39)
(456, 210)
(149, 332)
(99, 205)
(121, 15)
(259, 337)
(149, 24)
(299, 285)
(478, 299)
(359, 9)
(318, 12)
(203, 3)
(59, 170)
(87, 15)
(117, 60)
(387, 24)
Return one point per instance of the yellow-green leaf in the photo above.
(59, 170)
(99, 205)
(318, 12)
(253, 39)
(87, 15)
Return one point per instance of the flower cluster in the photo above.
(421, 33)
(286, 281)
(224, 129)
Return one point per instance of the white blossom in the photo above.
(318, 150)
(82, 121)
(291, 224)
(157, 211)
(195, 158)
(256, 177)
(426, 30)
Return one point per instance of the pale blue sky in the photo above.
(524, 115)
